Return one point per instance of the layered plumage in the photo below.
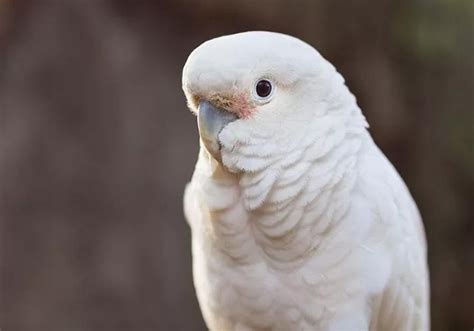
(300, 222)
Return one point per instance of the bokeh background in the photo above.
(96, 145)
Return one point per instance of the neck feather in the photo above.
(285, 205)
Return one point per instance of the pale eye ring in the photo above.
(263, 89)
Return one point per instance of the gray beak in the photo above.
(211, 121)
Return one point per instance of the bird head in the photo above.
(259, 96)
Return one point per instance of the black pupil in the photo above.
(264, 88)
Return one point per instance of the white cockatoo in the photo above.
(298, 220)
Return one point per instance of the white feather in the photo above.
(305, 225)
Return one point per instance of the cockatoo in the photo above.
(298, 220)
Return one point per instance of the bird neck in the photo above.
(285, 211)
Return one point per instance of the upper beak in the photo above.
(211, 121)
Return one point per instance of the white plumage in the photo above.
(298, 220)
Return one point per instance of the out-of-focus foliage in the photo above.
(439, 31)
(96, 145)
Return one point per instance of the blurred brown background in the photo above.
(96, 145)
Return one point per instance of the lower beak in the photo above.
(211, 121)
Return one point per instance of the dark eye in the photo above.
(263, 88)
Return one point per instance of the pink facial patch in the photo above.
(241, 106)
